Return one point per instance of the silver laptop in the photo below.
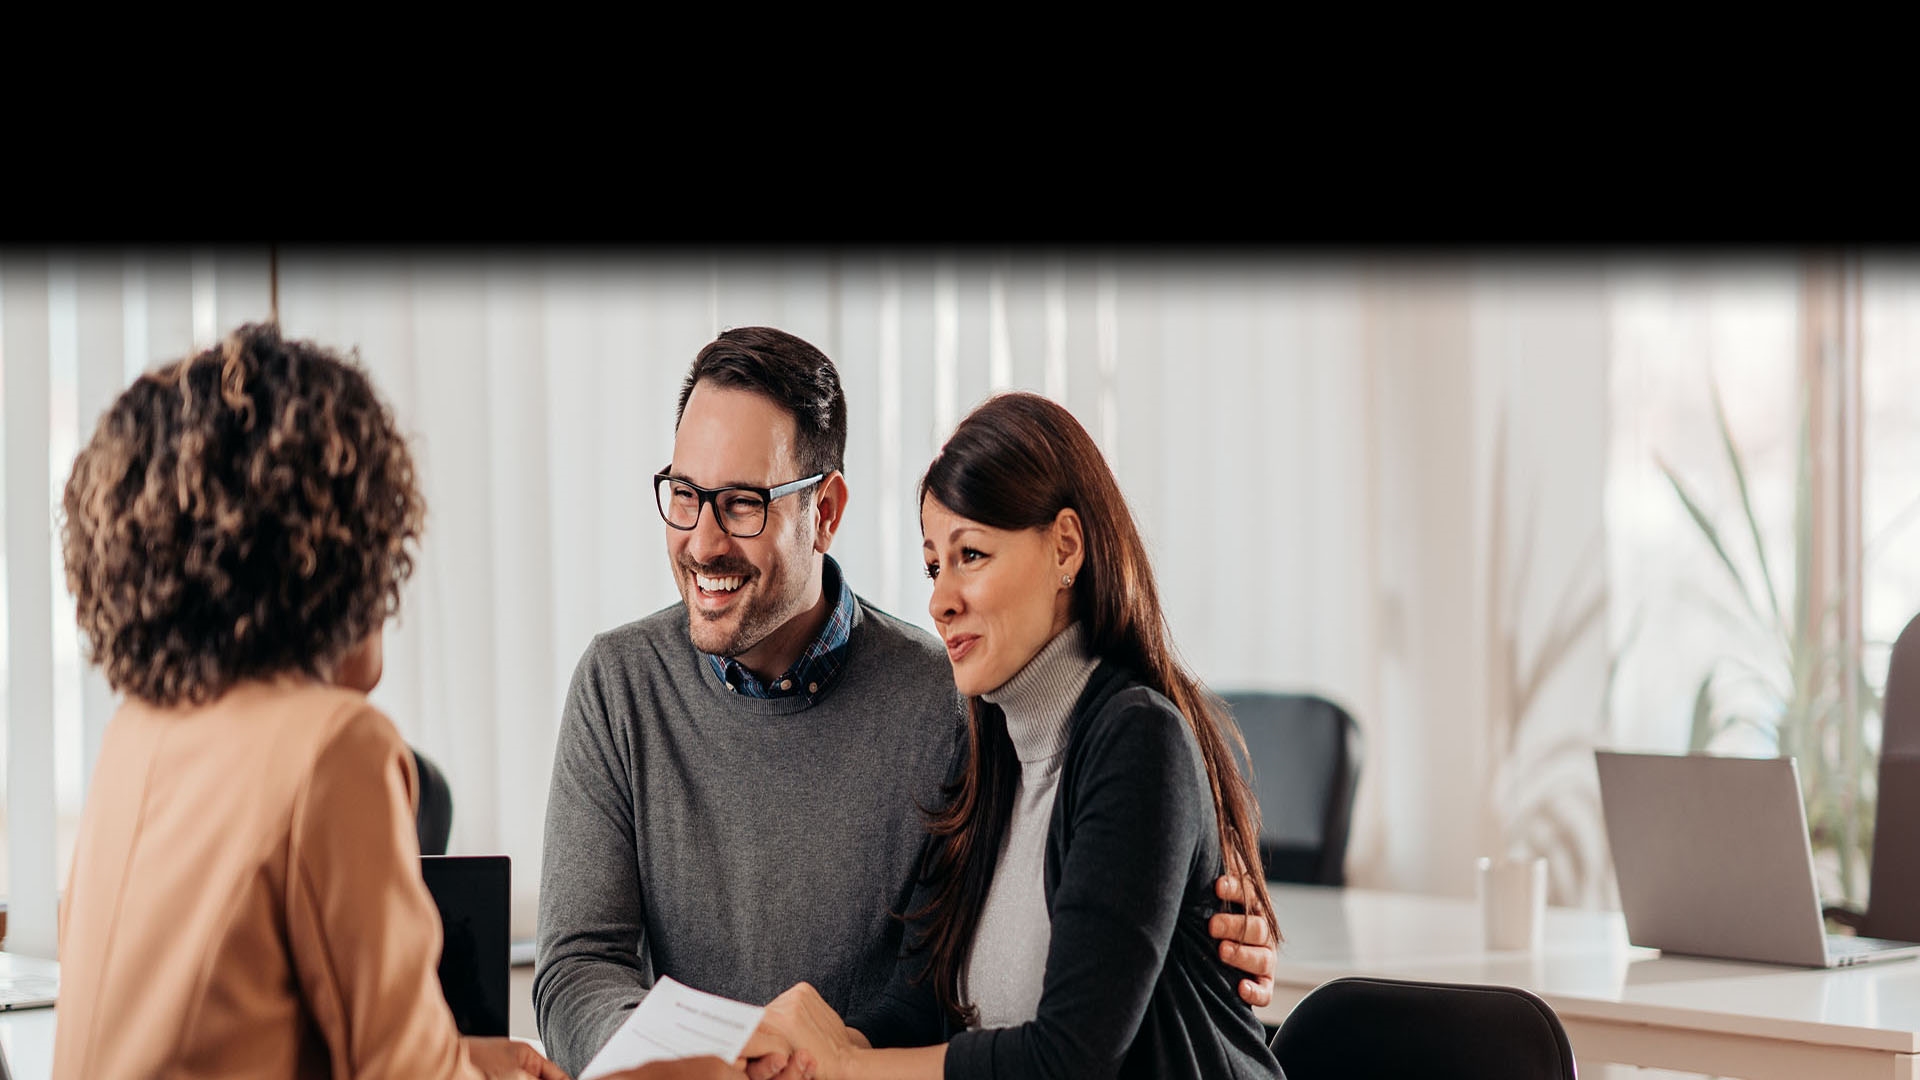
(27, 982)
(1713, 860)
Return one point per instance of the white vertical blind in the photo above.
(522, 753)
(73, 329)
(1106, 321)
(999, 332)
(202, 281)
(946, 346)
(31, 914)
(62, 359)
(1540, 357)
(102, 335)
(1431, 685)
(891, 479)
(453, 583)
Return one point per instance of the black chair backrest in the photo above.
(1306, 766)
(1893, 897)
(1386, 1029)
(434, 820)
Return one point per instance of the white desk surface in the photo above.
(1619, 1003)
(27, 1034)
(27, 1037)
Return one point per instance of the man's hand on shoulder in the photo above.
(1246, 941)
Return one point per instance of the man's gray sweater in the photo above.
(739, 845)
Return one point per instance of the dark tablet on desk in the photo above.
(474, 894)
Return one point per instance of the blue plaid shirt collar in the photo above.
(817, 666)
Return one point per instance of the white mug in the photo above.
(1513, 901)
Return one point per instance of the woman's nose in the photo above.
(944, 604)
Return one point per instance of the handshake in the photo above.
(801, 1038)
(678, 1032)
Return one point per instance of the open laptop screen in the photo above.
(474, 894)
(1712, 859)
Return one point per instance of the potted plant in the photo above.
(1803, 676)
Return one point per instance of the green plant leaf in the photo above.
(1712, 534)
(1871, 700)
(1702, 732)
(1757, 726)
(1898, 521)
(1746, 500)
(1560, 641)
(1822, 703)
(1803, 617)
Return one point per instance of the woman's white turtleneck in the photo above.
(1009, 953)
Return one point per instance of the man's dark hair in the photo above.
(794, 375)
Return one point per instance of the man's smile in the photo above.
(718, 584)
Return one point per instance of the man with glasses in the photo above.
(738, 785)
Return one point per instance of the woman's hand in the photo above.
(505, 1059)
(769, 1055)
(819, 1042)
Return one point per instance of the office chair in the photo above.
(1306, 765)
(1385, 1029)
(1893, 883)
(434, 820)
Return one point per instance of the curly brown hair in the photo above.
(244, 513)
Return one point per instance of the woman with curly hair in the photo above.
(245, 897)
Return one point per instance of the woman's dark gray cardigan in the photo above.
(1134, 986)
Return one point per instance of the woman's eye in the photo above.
(933, 571)
(969, 554)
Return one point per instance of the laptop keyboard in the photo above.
(1846, 945)
(15, 989)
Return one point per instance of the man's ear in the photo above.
(829, 508)
(1069, 543)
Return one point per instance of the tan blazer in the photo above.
(246, 900)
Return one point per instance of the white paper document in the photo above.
(677, 1021)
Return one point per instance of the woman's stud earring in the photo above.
(1066, 579)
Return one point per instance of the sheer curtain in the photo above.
(1321, 454)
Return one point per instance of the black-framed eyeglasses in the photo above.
(740, 510)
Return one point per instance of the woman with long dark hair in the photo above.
(1059, 928)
